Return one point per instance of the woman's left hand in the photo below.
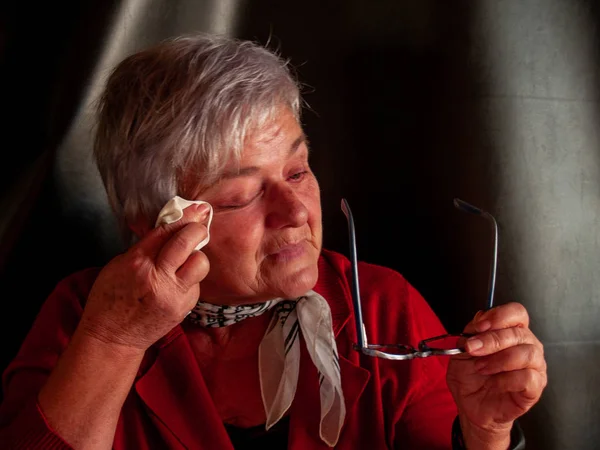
(500, 378)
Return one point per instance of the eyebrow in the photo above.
(251, 170)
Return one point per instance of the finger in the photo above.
(529, 383)
(194, 269)
(470, 328)
(494, 341)
(525, 356)
(504, 316)
(153, 242)
(180, 246)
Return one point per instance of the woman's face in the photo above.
(266, 231)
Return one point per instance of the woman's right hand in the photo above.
(140, 295)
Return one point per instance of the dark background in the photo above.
(411, 104)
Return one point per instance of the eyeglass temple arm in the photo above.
(461, 205)
(360, 330)
(468, 208)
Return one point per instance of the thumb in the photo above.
(155, 239)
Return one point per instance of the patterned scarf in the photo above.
(279, 354)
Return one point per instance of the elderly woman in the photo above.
(248, 341)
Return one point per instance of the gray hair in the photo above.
(176, 113)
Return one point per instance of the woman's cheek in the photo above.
(236, 233)
(312, 201)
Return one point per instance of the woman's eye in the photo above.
(230, 206)
(298, 176)
(234, 205)
(239, 204)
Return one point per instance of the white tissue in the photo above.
(173, 211)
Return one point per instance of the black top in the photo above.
(258, 437)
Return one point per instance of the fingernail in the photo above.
(477, 315)
(483, 326)
(202, 209)
(474, 344)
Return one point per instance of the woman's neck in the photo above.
(240, 340)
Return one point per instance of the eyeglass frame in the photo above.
(423, 350)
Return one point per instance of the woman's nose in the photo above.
(285, 209)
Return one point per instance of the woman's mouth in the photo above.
(290, 252)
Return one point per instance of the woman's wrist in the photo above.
(476, 438)
(83, 395)
(101, 348)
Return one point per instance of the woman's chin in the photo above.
(299, 282)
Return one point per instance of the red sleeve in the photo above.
(22, 423)
(419, 406)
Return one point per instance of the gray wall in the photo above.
(540, 59)
(413, 104)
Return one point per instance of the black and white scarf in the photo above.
(279, 354)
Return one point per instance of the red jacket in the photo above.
(390, 404)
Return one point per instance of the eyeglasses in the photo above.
(448, 344)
